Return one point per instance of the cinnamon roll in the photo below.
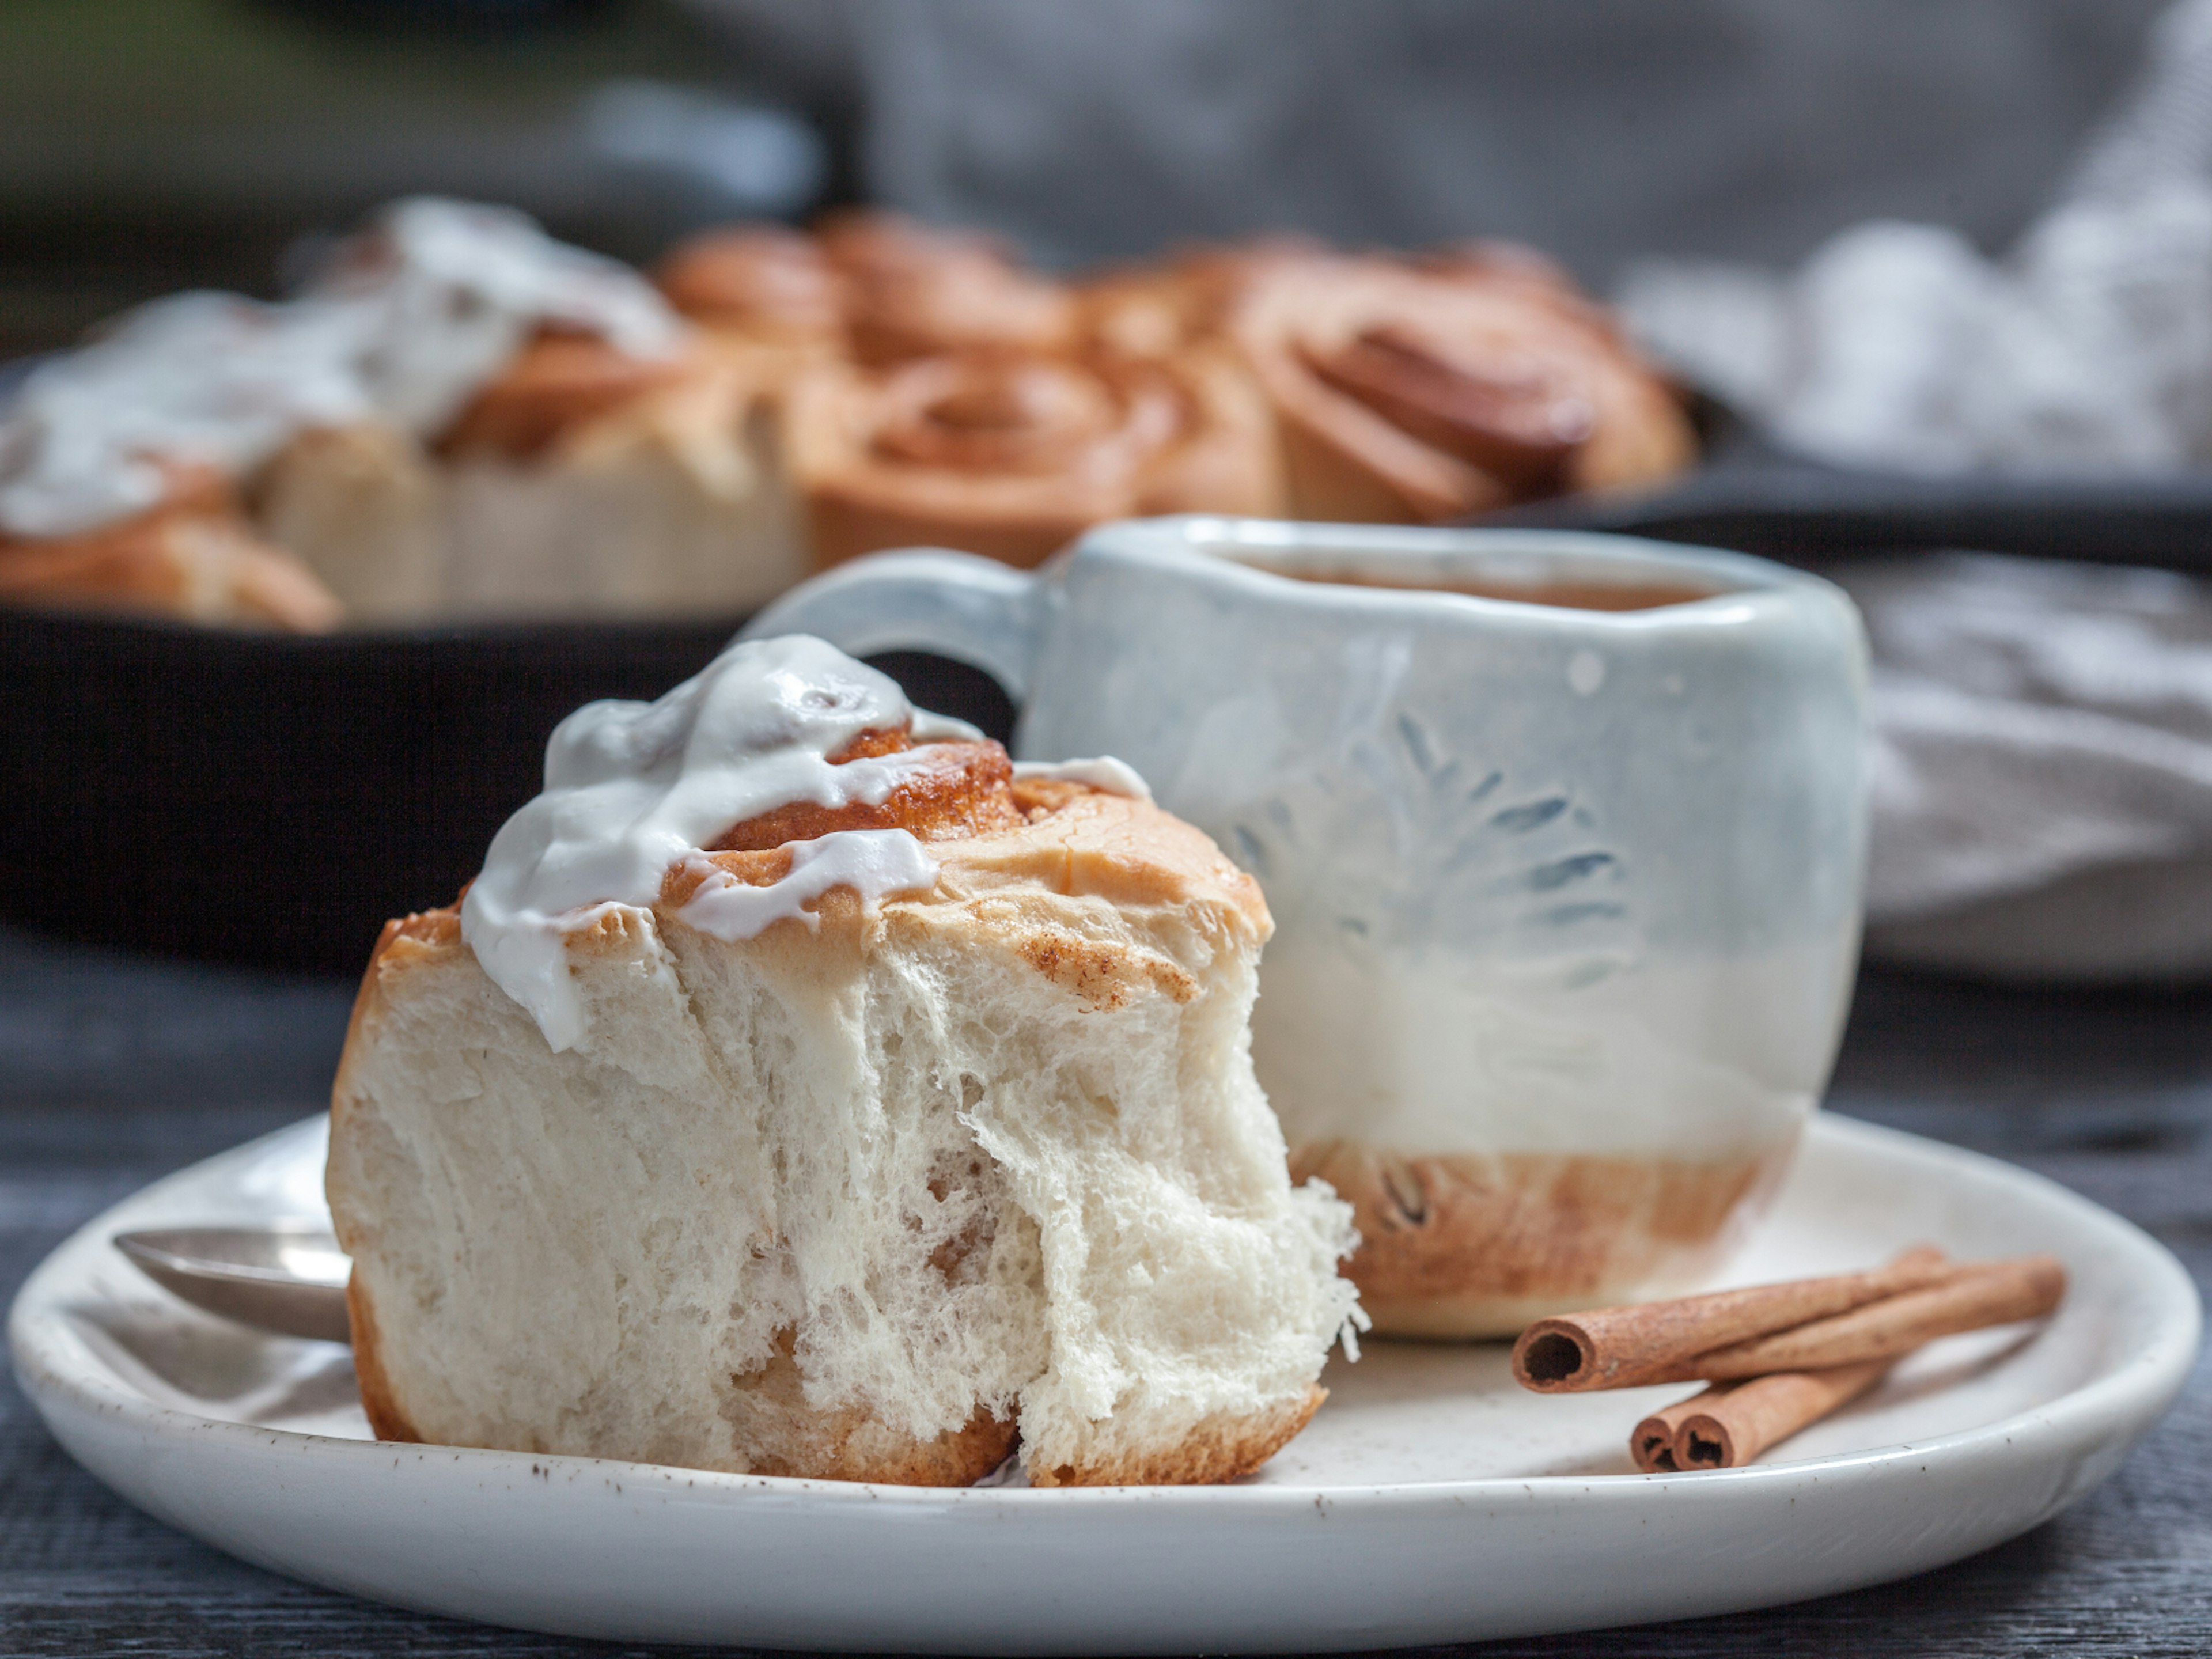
(1012, 453)
(193, 556)
(460, 416)
(1428, 390)
(800, 1091)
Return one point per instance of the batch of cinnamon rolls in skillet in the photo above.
(459, 418)
(802, 1088)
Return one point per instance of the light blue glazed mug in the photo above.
(1564, 836)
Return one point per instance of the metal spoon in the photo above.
(290, 1279)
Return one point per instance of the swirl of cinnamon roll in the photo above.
(1010, 453)
(1430, 389)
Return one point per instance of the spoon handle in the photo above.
(265, 1297)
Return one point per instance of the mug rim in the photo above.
(1227, 545)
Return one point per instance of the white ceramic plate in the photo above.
(1430, 1501)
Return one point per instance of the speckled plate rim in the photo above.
(643, 1552)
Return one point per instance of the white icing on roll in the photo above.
(409, 322)
(873, 863)
(634, 789)
(942, 728)
(1102, 773)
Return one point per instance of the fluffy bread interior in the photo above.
(668, 503)
(860, 1196)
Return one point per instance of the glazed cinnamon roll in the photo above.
(1427, 390)
(833, 1103)
(557, 385)
(1012, 453)
(459, 416)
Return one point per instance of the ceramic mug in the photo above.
(1564, 836)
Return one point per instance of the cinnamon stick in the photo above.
(1625, 1347)
(1732, 1423)
(1978, 1296)
(1652, 1445)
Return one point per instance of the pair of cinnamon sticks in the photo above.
(1778, 1356)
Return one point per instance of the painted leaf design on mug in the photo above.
(1429, 845)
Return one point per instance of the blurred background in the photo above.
(147, 145)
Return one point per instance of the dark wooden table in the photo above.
(115, 1070)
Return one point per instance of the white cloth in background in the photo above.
(2043, 773)
(2086, 349)
(2042, 784)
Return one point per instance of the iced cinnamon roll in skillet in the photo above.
(603, 459)
(458, 415)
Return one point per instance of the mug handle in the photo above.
(975, 610)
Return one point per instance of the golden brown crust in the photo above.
(1221, 1448)
(1093, 844)
(1413, 390)
(385, 1420)
(1468, 1244)
(1065, 837)
(770, 1408)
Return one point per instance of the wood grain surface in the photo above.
(115, 1070)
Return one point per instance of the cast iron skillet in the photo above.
(272, 799)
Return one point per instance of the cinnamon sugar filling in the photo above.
(952, 790)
